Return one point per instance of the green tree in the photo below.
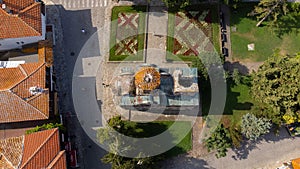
(176, 3)
(117, 146)
(219, 140)
(46, 127)
(253, 127)
(269, 9)
(276, 85)
(232, 3)
(235, 135)
(236, 76)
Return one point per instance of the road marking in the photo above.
(82, 3)
(77, 4)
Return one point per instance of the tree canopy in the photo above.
(269, 9)
(47, 127)
(276, 84)
(118, 145)
(176, 3)
(219, 140)
(253, 127)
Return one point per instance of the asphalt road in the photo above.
(89, 154)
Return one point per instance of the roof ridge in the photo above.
(22, 70)
(17, 16)
(1, 154)
(28, 7)
(3, 11)
(28, 25)
(7, 160)
(28, 75)
(57, 157)
(37, 150)
(35, 97)
(28, 104)
(23, 141)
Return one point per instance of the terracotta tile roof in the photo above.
(40, 149)
(9, 77)
(24, 21)
(17, 5)
(5, 164)
(40, 102)
(15, 109)
(30, 67)
(59, 162)
(16, 102)
(11, 152)
(36, 78)
(33, 151)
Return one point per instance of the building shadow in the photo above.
(69, 47)
(74, 40)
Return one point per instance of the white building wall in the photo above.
(43, 26)
(15, 43)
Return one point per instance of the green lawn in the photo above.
(176, 133)
(140, 36)
(266, 39)
(238, 102)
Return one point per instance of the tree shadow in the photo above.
(244, 150)
(276, 134)
(288, 24)
(241, 12)
(230, 66)
(232, 102)
(185, 161)
(247, 146)
(169, 143)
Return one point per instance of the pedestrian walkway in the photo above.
(82, 4)
(157, 35)
(157, 38)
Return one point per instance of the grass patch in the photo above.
(238, 102)
(285, 37)
(140, 35)
(216, 27)
(175, 133)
